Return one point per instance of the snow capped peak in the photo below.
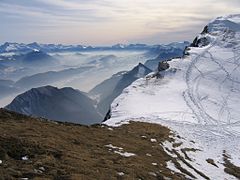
(225, 23)
(9, 47)
(213, 65)
(36, 50)
(233, 17)
(223, 30)
(119, 46)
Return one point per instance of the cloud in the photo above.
(74, 5)
(108, 21)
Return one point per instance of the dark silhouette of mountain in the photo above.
(46, 78)
(111, 88)
(38, 58)
(104, 89)
(64, 104)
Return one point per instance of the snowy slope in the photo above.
(199, 98)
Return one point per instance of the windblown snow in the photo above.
(198, 98)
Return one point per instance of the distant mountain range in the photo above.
(49, 77)
(37, 58)
(35, 65)
(24, 48)
(31, 58)
(66, 104)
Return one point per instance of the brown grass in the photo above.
(211, 161)
(68, 151)
(230, 168)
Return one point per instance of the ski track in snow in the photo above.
(192, 95)
(200, 102)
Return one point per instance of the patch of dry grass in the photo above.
(68, 151)
(230, 168)
(211, 161)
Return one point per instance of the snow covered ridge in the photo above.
(198, 97)
(225, 23)
(225, 27)
(202, 88)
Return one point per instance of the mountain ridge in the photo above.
(197, 97)
(64, 104)
(109, 89)
(17, 47)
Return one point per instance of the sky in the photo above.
(107, 22)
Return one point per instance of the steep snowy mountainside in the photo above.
(204, 86)
(198, 97)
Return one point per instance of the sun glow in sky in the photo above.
(106, 22)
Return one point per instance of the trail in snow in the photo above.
(198, 98)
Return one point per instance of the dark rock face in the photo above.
(162, 66)
(108, 115)
(201, 41)
(66, 104)
(173, 50)
(172, 53)
(205, 30)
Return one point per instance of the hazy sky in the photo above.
(103, 22)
